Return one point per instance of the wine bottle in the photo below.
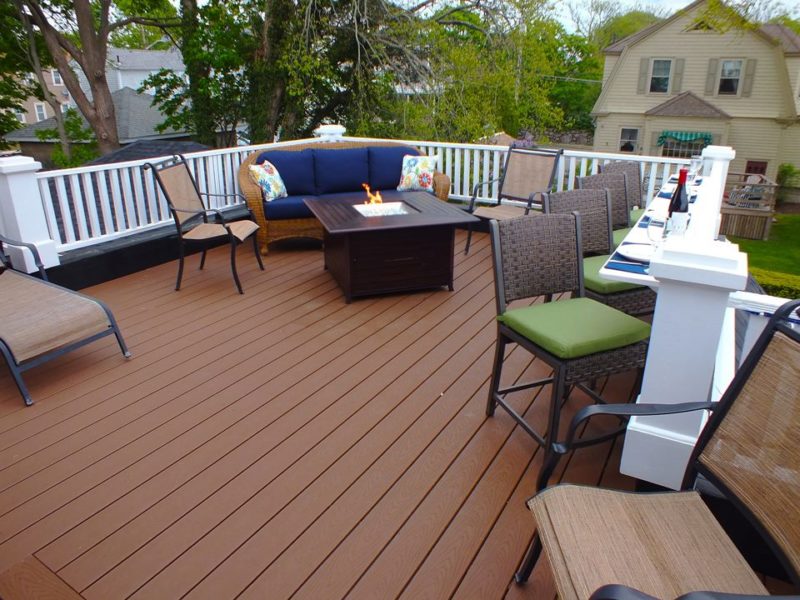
(679, 205)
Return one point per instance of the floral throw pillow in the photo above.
(268, 178)
(417, 173)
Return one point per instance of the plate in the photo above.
(637, 252)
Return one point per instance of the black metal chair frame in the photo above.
(560, 390)
(623, 592)
(204, 215)
(502, 195)
(778, 323)
(17, 368)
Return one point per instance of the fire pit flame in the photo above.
(372, 198)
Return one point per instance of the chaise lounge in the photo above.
(41, 321)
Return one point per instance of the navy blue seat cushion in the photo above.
(290, 207)
(385, 164)
(295, 168)
(341, 170)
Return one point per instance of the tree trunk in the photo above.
(197, 71)
(91, 57)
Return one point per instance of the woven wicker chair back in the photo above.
(634, 181)
(594, 207)
(538, 255)
(526, 172)
(180, 190)
(615, 184)
(754, 450)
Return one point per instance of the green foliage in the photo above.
(622, 26)
(138, 36)
(788, 174)
(777, 284)
(83, 145)
(14, 68)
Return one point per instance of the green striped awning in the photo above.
(685, 136)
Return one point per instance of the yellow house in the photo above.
(678, 85)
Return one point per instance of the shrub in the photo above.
(777, 284)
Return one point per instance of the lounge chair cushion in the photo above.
(385, 164)
(665, 545)
(575, 327)
(342, 170)
(592, 280)
(39, 317)
(290, 207)
(296, 169)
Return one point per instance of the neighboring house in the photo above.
(136, 120)
(35, 110)
(679, 85)
(129, 68)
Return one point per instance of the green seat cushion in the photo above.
(636, 214)
(619, 235)
(575, 327)
(593, 281)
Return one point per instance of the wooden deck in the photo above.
(280, 443)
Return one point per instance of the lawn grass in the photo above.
(775, 263)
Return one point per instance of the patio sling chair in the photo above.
(41, 321)
(191, 216)
(634, 192)
(580, 338)
(667, 544)
(526, 173)
(617, 186)
(594, 206)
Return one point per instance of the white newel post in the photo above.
(22, 215)
(696, 275)
(329, 133)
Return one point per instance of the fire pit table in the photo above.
(396, 246)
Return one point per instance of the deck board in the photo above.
(280, 443)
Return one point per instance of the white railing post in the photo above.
(22, 215)
(329, 133)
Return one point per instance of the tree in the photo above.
(14, 84)
(81, 141)
(79, 30)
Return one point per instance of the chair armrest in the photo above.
(475, 192)
(625, 411)
(441, 186)
(37, 260)
(229, 195)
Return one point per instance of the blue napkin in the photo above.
(646, 222)
(640, 269)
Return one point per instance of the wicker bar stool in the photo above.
(617, 186)
(594, 206)
(580, 338)
(634, 189)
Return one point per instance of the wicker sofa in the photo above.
(314, 169)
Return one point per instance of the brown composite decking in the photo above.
(280, 443)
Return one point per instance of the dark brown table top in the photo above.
(337, 215)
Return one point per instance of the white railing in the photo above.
(88, 205)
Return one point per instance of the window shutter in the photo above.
(644, 67)
(677, 77)
(711, 76)
(749, 75)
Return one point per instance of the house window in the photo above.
(20, 115)
(756, 167)
(57, 78)
(64, 108)
(628, 138)
(680, 149)
(730, 74)
(659, 75)
(41, 113)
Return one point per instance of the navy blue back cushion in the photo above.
(385, 164)
(290, 207)
(295, 168)
(341, 170)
